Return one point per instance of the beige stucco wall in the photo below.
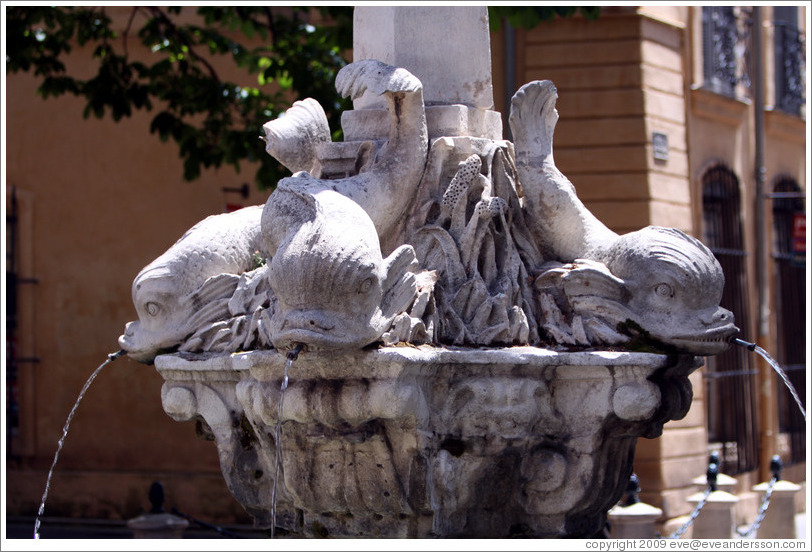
(98, 200)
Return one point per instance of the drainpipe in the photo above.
(768, 400)
(761, 172)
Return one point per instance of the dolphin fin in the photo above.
(217, 287)
(590, 278)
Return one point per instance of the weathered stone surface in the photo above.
(399, 36)
(332, 288)
(406, 236)
(658, 284)
(427, 441)
(485, 222)
(458, 96)
(201, 269)
(441, 120)
(294, 138)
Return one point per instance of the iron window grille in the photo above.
(726, 48)
(790, 297)
(790, 60)
(730, 377)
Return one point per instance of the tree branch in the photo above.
(158, 12)
(271, 25)
(124, 35)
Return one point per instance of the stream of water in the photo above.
(291, 356)
(60, 444)
(778, 370)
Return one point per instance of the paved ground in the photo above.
(58, 528)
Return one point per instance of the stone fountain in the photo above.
(479, 353)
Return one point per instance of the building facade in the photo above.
(667, 117)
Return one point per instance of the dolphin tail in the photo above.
(564, 227)
(377, 77)
(532, 119)
(292, 139)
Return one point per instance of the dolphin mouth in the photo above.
(144, 355)
(320, 330)
(317, 339)
(312, 339)
(711, 342)
(134, 352)
(125, 343)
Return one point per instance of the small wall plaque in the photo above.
(659, 141)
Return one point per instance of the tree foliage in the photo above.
(212, 120)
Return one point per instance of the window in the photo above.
(790, 60)
(731, 376)
(788, 205)
(725, 36)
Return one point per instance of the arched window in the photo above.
(790, 304)
(731, 376)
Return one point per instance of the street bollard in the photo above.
(157, 524)
(779, 515)
(632, 519)
(716, 520)
(723, 481)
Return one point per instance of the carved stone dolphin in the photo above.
(675, 285)
(385, 187)
(191, 282)
(666, 282)
(659, 288)
(333, 288)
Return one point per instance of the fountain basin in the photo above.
(429, 441)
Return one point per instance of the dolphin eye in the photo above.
(664, 290)
(153, 308)
(366, 285)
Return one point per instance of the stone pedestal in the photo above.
(429, 441)
(634, 522)
(779, 521)
(157, 526)
(716, 520)
(447, 47)
(423, 40)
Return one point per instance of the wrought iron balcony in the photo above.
(726, 49)
(790, 68)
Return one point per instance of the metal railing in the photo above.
(790, 68)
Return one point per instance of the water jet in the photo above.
(777, 368)
(110, 358)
